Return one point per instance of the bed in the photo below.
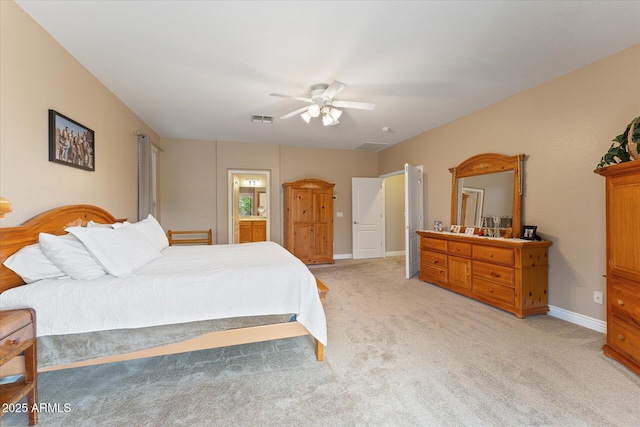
(188, 298)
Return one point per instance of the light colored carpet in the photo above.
(401, 353)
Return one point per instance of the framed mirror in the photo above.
(486, 186)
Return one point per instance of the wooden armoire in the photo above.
(308, 220)
(623, 263)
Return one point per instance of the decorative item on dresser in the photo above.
(510, 274)
(623, 263)
(17, 335)
(308, 222)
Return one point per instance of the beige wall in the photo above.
(188, 189)
(564, 126)
(338, 167)
(37, 74)
(195, 182)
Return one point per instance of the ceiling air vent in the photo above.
(256, 118)
(372, 146)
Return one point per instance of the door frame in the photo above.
(230, 200)
(420, 206)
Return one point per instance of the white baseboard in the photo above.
(394, 253)
(349, 256)
(578, 319)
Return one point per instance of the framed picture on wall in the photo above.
(71, 143)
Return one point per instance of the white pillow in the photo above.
(152, 231)
(121, 251)
(98, 224)
(70, 256)
(31, 264)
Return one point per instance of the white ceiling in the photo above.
(200, 69)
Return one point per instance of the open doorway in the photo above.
(387, 211)
(249, 205)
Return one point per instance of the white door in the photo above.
(412, 217)
(367, 209)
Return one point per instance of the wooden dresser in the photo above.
(510, 274)
(623, 263)
(308, 220)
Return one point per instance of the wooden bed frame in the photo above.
(12, 239)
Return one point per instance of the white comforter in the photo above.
(188, 283)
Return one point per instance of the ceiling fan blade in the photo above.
(299, 98)
(333, 89)
(295, 113)
(352, 104)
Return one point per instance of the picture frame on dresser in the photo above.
(529, 232)
(71, 143)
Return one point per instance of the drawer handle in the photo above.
(13, 342)
(457, 249)
(620, 302)
(621, 337)
(435, 261)
(490, 290)
(490, 254)
(496, 275)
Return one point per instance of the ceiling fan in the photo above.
(323, 104)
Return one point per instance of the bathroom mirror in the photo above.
(488, 185)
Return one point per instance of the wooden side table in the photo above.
(17, 335)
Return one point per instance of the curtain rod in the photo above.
(150, 142)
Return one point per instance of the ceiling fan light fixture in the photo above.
(335, 113)
(314, 110)
(327, 120)
(306, 117)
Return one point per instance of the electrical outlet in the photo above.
(598, 298)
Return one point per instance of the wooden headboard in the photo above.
(12, 239)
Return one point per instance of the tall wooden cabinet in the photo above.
(623, 263)
(308, 220)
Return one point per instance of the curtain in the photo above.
(145, 178)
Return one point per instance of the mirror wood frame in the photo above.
(487, 163)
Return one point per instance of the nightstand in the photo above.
(17, 335)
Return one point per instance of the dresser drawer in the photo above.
(11, 342)
(494, 273)
(461, 249)
(625, 339)
(494, 254)
(625, 303)
(433, 274)
(433, 258)
(493, 291)
(433, 244)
